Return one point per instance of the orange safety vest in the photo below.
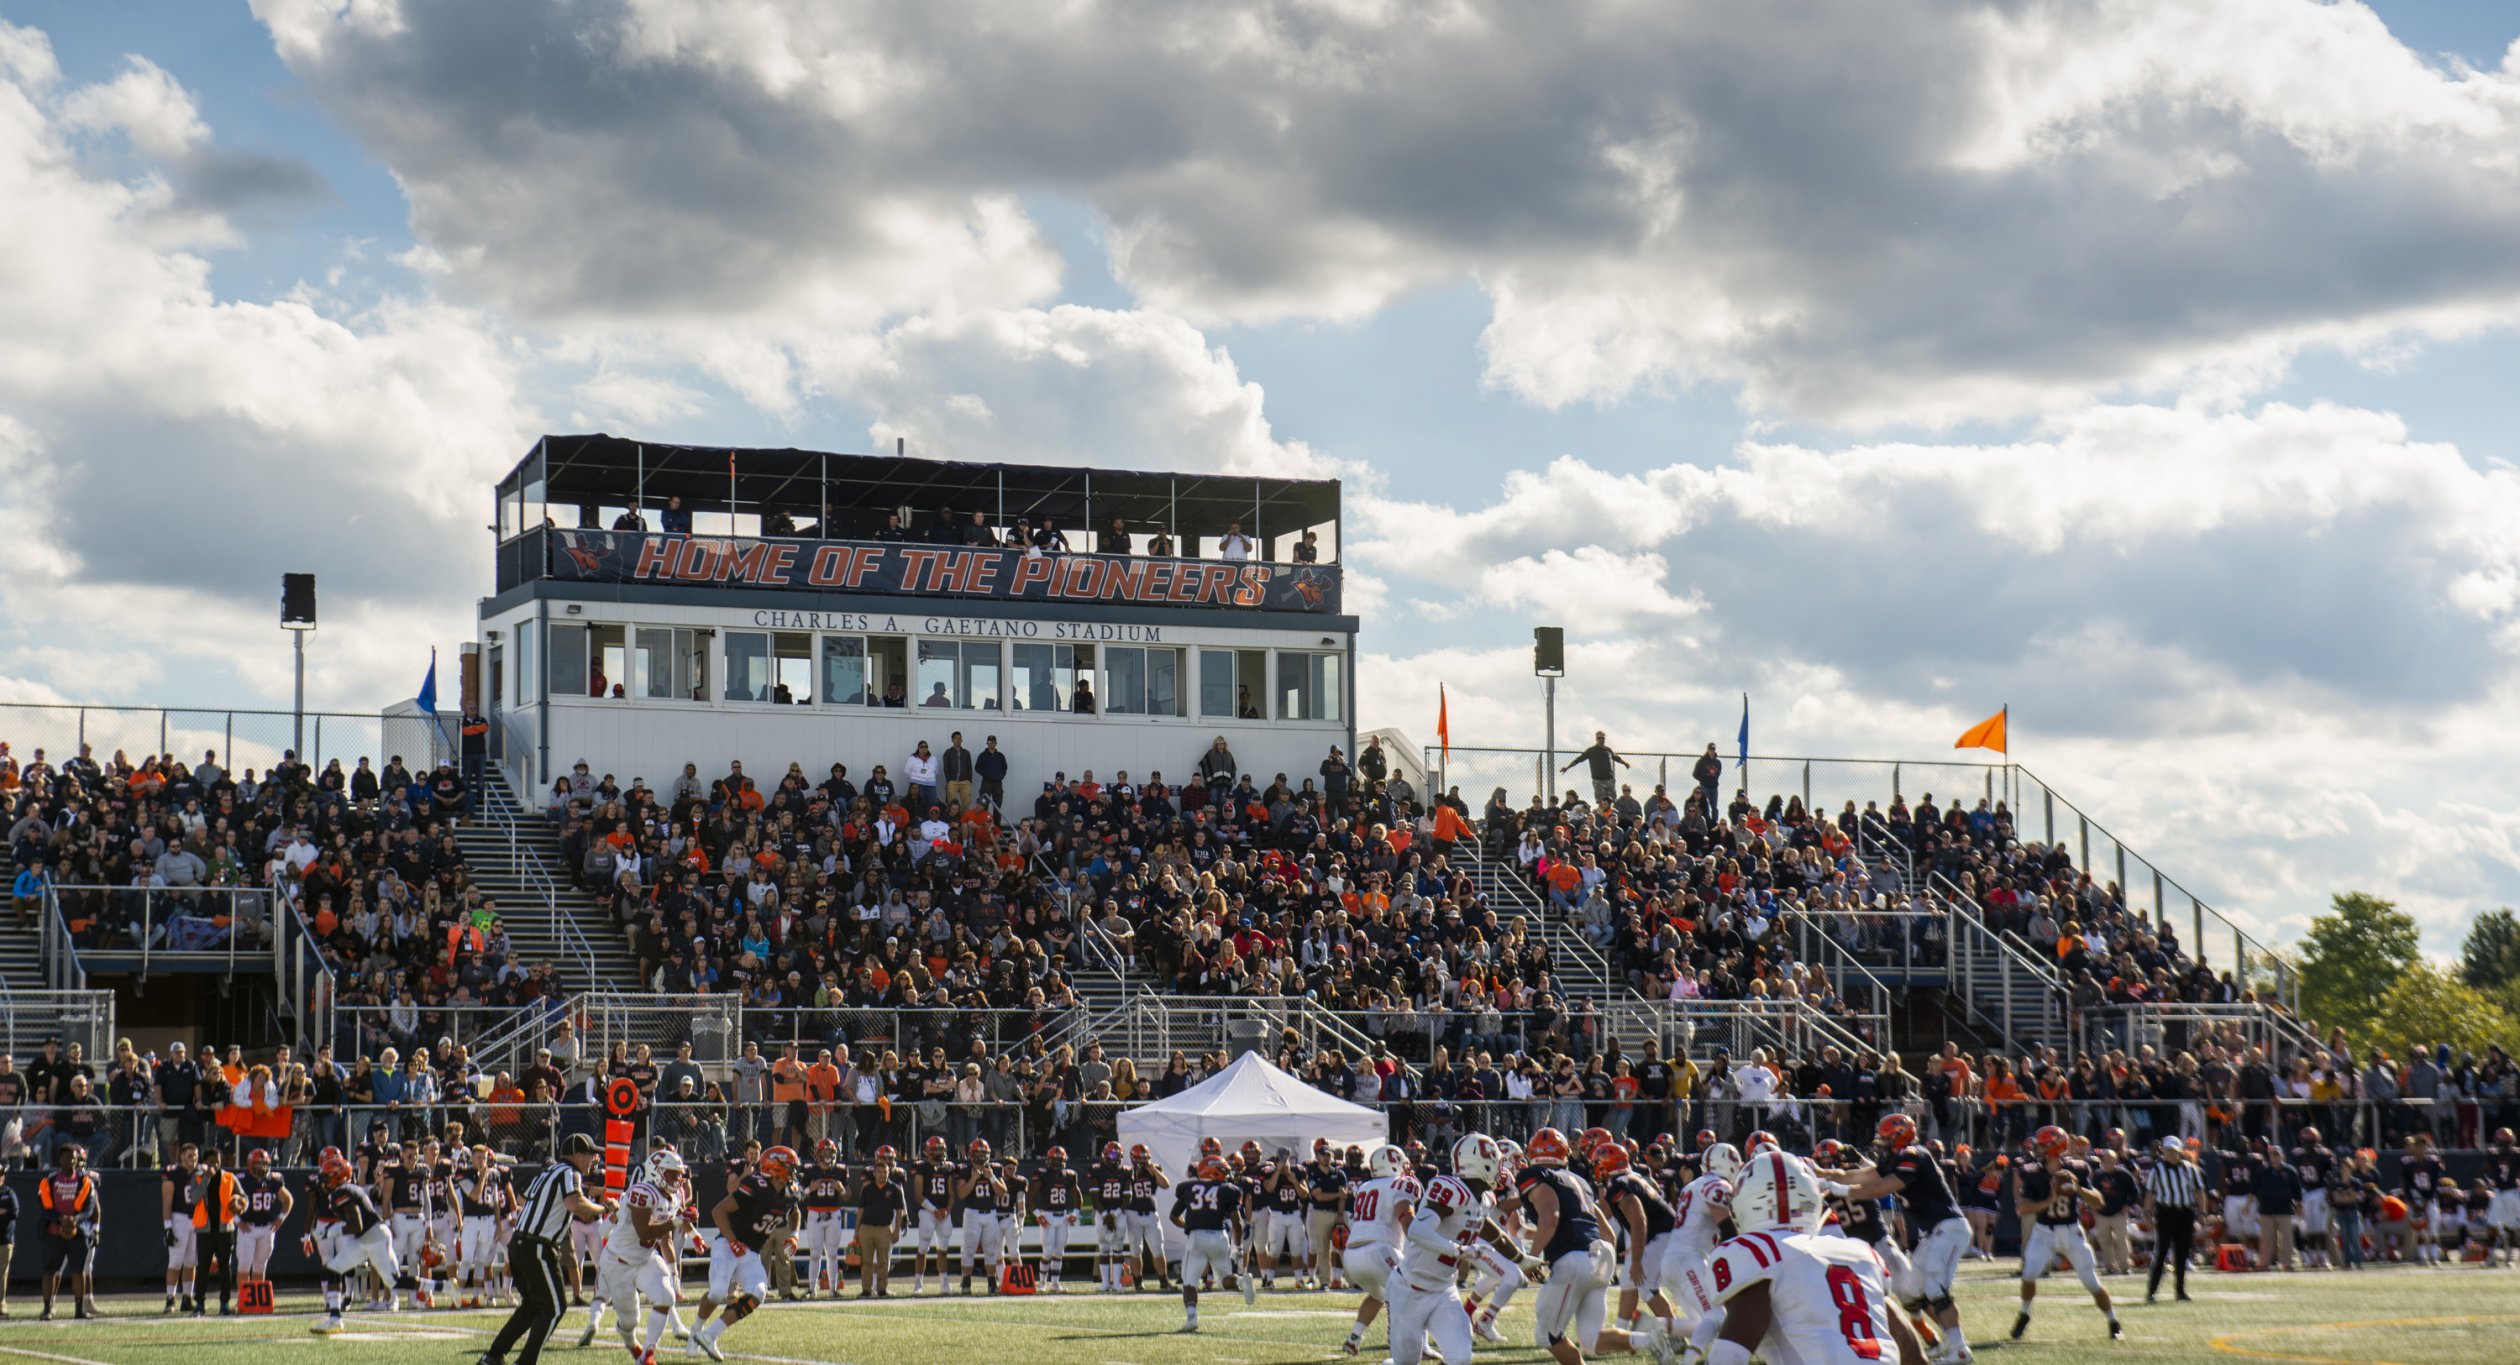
(220, 1195)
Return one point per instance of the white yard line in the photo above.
(47, 1355)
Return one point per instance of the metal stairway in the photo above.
(515, 859)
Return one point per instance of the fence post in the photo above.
(2047, 799)
(161, 734)
(1894, 782)
(2197, 935)
(2084, 862)
(1806, 785)
(2158, 914)
(317, 762)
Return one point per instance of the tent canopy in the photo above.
(1250, 1100)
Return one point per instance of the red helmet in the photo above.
(1056, 1156)
(778, 1164)
(1761, 1141)
(327, 1156)
(826, 1150)
(1547, 1146)
(1138, 1152)
(2050, 1141)
(887, 1153)
(934, 1147)
(1111, 1151)
(258, 1160)
(1705, 1138)
(1611, 1159)
(1212, 1168)
(2116, 1137)
(979, 1149)
(1251, 1147)
(1896, 1131)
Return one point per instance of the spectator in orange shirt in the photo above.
(824, 1089)
(787, 1095)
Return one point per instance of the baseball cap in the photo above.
(2172, 1144)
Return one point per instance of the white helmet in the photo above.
(663, 1163)
(1777, 1190)
(1388, 1163)
(1511, 1158)
(1476, 1157)
(1722, 1161)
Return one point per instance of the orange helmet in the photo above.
(1056, 1156)
(934, 1147)
(334, 1173)
(779, 1164)
(1611, 1159)
(1896, 1131)
(2051, 1141)
(258, 1161)
(1761, 1141)
(1209, 1146)
(1548, 1146)
(1590, 1140)
(979, 1149)
(1213, 1168)
(1138, 1152)
(1829, 1152)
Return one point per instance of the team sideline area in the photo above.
(2404, 1315)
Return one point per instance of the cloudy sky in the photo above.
(2143, 364)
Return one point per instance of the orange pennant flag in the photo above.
(1443, 721)
(1986, 734)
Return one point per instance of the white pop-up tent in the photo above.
(1250, 1100)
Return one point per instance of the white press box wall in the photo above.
(652, 739)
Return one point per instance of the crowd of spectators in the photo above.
(973, 527)
(366, 858)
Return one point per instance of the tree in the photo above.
(2351, 957)
(2491, 956)
(2426, 1005)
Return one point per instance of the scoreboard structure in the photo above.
(658, 605)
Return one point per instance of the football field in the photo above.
(2401, 1316)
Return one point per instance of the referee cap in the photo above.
(578, 1144)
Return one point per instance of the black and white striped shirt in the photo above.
(546, 1212)
(2175, 1184)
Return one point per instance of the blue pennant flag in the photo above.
(1742, 758)
(428, 687)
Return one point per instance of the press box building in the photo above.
(658, 605)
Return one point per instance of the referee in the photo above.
(540, 1243)
(2173, 1194)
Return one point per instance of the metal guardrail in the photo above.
(81, 1017)
(1989, 967)
(1018, 1131)
(162, 923)
(244, 738)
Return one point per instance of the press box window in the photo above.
(667, 664)
(1233, 683)
(769, 666)
(608, 649)
(1044, 677)
(568, 660)
(1308, 687)
(959, 673)
(1141, 682)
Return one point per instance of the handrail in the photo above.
(1969, 918)
(1507, 886)
(2287, 981)
(240, 898)
(1809, 927)
(58, 950)
(526, 858)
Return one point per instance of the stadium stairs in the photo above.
(516, 862)
(21, 953)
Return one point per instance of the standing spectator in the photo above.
(977, 531)
(1217, 769)
(1334, 780)
(2277, 1185)
(990, 767)
(752, 1091)
(1708, 773)
(1115, 541)
(1601, 758)
(675, 520)
(1233, 546)
(919, 771)
(955, 767)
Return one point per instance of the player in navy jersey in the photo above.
(751, 1216)
(1058, 1201)
(1211, 1208)
(2314, 1161)
(932, 1191)
(267, 1205)
(2501, 1175)
(1113, 1228)
(1922, 1185)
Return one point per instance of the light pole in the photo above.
(297, 616)
(1548, 662)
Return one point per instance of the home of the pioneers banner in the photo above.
(940, 570)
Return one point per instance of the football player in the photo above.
(742, 1224)
(1209, 1208)
(268, 1204)
(1378, 1217)
(1568, 1230)
(1791, 1294)
(1449, 1217)
(1057, 1198)
(2049, 1199)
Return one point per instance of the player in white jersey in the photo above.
(1378, 1218)
(1496, 1277)
(1791, 1295)
(1697, 1224)
(1451, 1217)
(638, 1257)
